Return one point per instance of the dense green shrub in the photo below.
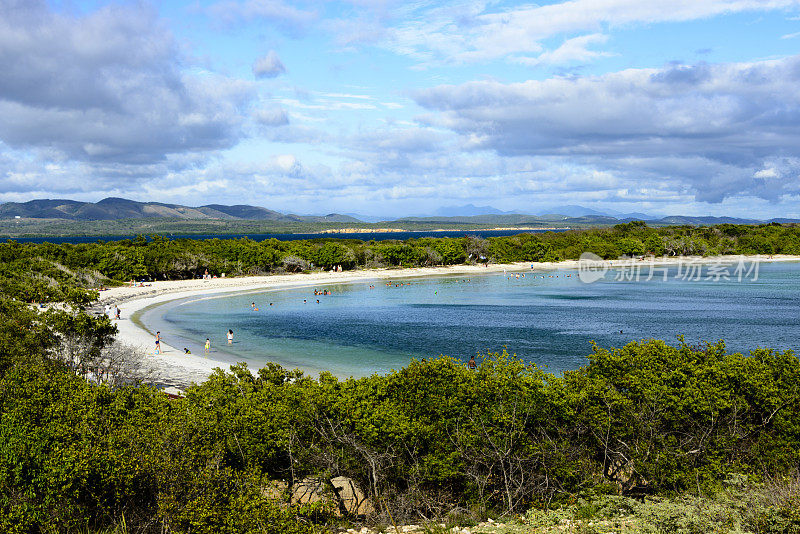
(43, 272)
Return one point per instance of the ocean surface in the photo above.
(363, 236)
(549, 318)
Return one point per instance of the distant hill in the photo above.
(583, 220)
(469, 215)
(110, 209)
(682, 219)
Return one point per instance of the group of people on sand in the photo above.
(209, 276)
(107, 310)
(206, 347)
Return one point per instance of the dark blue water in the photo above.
(363, 236)
(548, 318)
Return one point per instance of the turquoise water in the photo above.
(548, 318)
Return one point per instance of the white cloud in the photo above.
(268, 66)
(710, 127)
(106, 91)
(766, 173)
(472, 32)
(572, 50)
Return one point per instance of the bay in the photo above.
(549, 318)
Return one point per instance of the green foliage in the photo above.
(644, 419)
(63, 273)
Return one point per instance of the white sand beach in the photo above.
(186, 368)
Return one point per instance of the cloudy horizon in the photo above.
(381, 107)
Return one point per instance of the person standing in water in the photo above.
(158, 342)
(208, 346)
(230, 337)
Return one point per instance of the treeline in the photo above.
(428, 440)
(38, 272)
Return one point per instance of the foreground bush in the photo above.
(435, 437)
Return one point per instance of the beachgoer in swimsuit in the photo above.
(208, 346)
(158, 342)
(230, 337)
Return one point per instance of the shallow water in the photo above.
(549, 318)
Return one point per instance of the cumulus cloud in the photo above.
(268, 66)
(710, 126)
(107, 89)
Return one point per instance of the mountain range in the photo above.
(110, 209)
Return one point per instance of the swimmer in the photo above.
(230, 337)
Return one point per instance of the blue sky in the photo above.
(398, 108)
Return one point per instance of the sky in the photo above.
(389, 108)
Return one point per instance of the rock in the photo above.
(310, 490)
(274, 490)
(352, 500)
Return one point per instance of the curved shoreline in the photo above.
(187, 368)
(183, 368)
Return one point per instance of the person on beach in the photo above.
(472, 364)
(186, 351)
(117, 312)
(208, 346)
(158, 342)
(230, 337)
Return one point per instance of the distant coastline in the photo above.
(391, 230)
